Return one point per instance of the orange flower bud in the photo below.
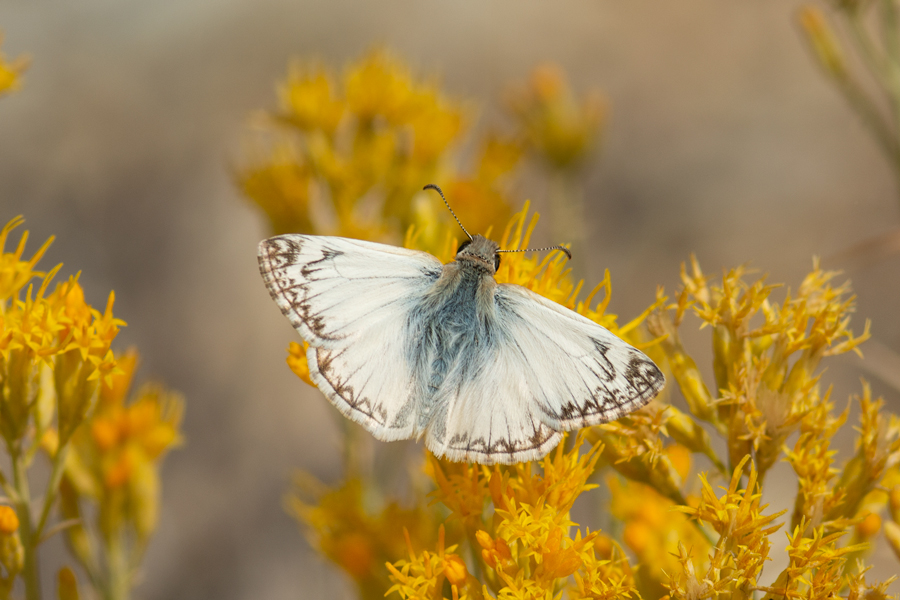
(455, 569)
(502, 549)
(484, 539)
(561, 563)
(488, 557)
(496, 487)
(869, 526)
(9, 520)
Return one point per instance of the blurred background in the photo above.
(723, 138)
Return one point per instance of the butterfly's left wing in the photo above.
(351, 301)
(544, 369)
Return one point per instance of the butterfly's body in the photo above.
(408, 347)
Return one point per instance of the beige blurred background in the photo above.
(723, 139)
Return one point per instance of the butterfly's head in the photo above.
(480, 253)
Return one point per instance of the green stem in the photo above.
(59, 461)
(886, 70)
(8, 489)
(119, 571)
(29, 542)
(892, 58)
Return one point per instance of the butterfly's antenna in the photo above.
(562, 248)
(431, 186)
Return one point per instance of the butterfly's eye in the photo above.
(496, 262)
(463, 245)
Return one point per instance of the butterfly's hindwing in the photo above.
(585, 374)
(538, 369)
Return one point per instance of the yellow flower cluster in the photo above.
(113, 465)
(529, 546)
(349, 158)
(561, 129)
(62, 390)
(11, 72)
(765, 357)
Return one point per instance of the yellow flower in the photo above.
(296, 360)
(308, 100)
(380, 86)
(281, 186)
(10, 75)
(559, 127)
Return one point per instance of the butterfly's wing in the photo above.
(350, 300)
(544, 369)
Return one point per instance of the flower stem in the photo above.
(119, 570)
(26, 532)
(59, 460)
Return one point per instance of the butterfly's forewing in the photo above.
(350, 300)
(546, 369)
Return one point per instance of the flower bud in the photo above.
(455, 570)
(12, 554)
(67, 585)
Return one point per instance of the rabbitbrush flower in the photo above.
(62, 390)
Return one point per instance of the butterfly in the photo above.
(409, 347)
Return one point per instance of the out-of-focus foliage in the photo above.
(347, 155)
(863, 63)
(62, 390)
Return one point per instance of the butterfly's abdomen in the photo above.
(447, 335)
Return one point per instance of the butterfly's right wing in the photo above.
(544, 369)
(351, 300)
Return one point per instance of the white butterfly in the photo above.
(409, 347)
